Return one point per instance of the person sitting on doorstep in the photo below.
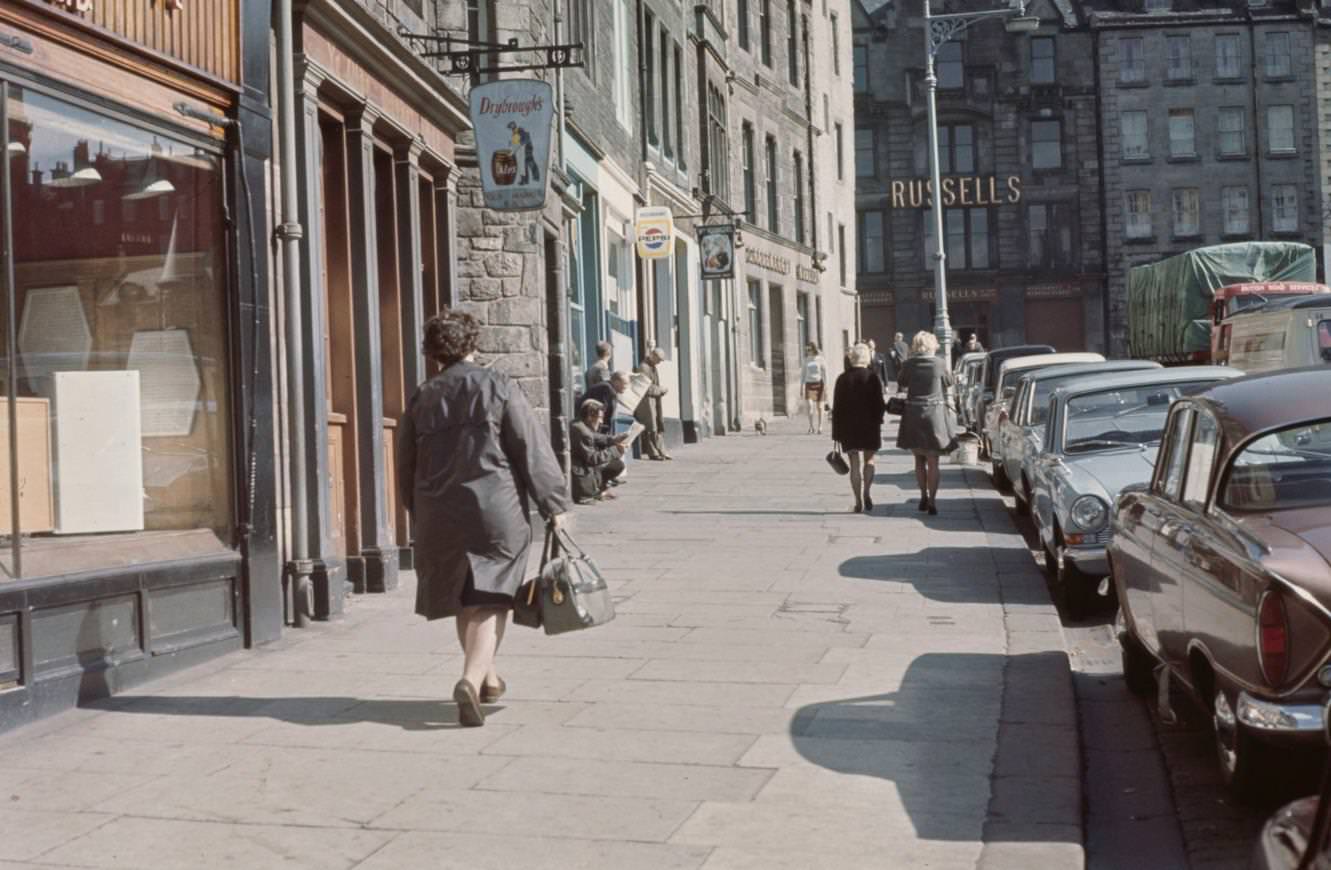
(607, 392)
(597, 458)
(599, 372)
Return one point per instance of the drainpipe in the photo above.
(289, 232)
(1104, 194)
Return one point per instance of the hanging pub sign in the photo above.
(512, 119)
(655, 229)
(717, 244)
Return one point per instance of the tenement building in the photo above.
(1211, 121)
(1018, 153)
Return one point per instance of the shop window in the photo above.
(1182, 134)
(1276, 55)
(1043, 68)
(1137, 205)
(870, 243)
(949, 67)
(1227, 64)
(756, 324)
(1132, 133)
(1187, 212)
(1284, 208)
(1046, 144)
(1234, 205)
(1178, 58)
(121, 371)
(1132, 60)
(1280, 129)
(1231, 135)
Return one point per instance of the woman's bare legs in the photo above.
(811, 403)
(933, 476)
(819, 404)
(869, 470)
(922, 476)
(480, 629)
(853, 456)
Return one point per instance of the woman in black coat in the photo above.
(472, 460)
(857, 421)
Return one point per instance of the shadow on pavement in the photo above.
(408, 714)
(978, 746)
(955, 574)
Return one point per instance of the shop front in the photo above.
(378, 198)
(136, 493)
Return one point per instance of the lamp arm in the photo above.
(943, 28)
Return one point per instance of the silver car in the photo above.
(1102, 434)
(1010, 373)
(1021, 432)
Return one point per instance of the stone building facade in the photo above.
(1019, 157)
(1212, 115)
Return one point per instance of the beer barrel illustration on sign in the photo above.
(512, 119)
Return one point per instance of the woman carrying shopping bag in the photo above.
(472, 459)
(857, 421)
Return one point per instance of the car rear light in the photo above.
(1272, 638)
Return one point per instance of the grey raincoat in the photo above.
(471, 459)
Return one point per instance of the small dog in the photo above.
(761, 426)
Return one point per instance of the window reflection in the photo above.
(121, 368)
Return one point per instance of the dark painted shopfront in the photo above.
(136, 469)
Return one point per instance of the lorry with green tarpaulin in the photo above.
(1172, 304)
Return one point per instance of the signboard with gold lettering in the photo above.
(964, 294)
(967, 190)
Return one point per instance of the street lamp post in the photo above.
(938, 31)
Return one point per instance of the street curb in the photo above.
(1035, 819)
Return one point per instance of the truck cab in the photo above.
(1283, 334)
(1235, 299)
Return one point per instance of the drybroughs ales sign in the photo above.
(512, 119)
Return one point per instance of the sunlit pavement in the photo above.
(787, 685)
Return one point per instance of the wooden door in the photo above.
(1057, 322)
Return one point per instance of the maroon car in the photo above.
(1222, 564)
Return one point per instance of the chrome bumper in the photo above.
(1271, 717)
(1088, 560)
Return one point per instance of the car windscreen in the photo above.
(1289, 468)
(1123, 417)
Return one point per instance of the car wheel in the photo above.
(1247, 765)
(1076, 589)
(999, 474)
(1138, 665)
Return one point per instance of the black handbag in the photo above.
(896, 406)
(838, 461)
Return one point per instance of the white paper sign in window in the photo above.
(53, 333)
(169, 381)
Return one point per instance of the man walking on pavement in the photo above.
(900, 353)
(599, 372)
(877, 362)
(649, 412)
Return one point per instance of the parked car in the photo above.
(988, 380)
(1298, 836)
(967, 371)
(1283, 334)
(1102, 434)
(1222, 563)
(1010, 373)
(1021, 430)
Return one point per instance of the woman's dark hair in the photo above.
(450, 336)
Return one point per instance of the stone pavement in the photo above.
(787, 685)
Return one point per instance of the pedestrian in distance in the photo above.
(607, 393)
(472, 460)
(597, 458)
(599, 372)
(900, 352)
(927, 429)
(648, 412)
(877, 362)
(857, 421)
(813, 383)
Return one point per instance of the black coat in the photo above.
(879, 366)
(857, 410)
(606, 395)
(472, 459)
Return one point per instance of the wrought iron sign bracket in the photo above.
(468, 61)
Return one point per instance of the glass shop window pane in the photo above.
(124, 434)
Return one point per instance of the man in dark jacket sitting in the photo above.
(606, 392)
(596, 457)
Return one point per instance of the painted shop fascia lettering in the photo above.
(764, 260)
(972, 190)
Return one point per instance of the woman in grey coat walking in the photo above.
(926, 429)
(472, 459)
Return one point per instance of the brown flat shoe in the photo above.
(490, 694)
(470, 713)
